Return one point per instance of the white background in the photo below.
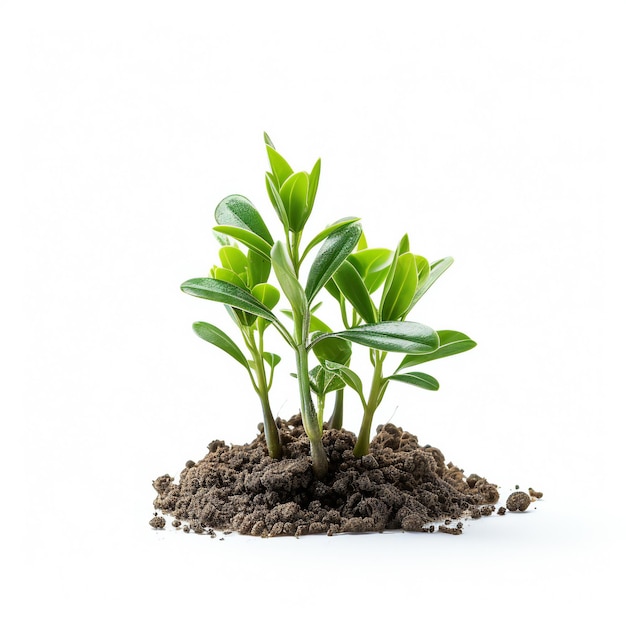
(490, 131)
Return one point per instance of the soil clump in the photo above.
(399, 485)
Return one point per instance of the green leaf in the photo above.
(333, 290)
(238, 211)
(362, 245)
(267, 139)
(314, 179)
(326, 232)
(248, 238)
(418, 379)
(259, 268)
(373, 265)
(401, 289)
(404, 246)
(333, 349)
(408, 337)
(450, 342)
(436, 270)
(271, 359)
(423, 269)
(221, 273)
(276, 200)
(331, 255)
(233, 259)
(267, 294)
(349, 377)
(354, 290)
(324, 382)
(280, 168)
(289, 283)
(293, 193)
(219, 338)
(226, 293)
(315, 324)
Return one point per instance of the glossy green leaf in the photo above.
(326, 232)
(222, 273)
(315, 323)
(277, 202)
(219, 338)
(259, 268)
(408, 337)
(373, 265)
(293, 193)
(423, 269)
(332, 254)
(323, 381)
(418, 379)
(280, 168)
(450, 342)
(349, 377)
(404, 245)
(283, 268)
(334, 349)
(436, 270)
(248, 238)
(233, 259)
(314, 179)
(401, 289)
(362, 245)
(267, 294)
(226, 293)
(354, 290)
(238, 211)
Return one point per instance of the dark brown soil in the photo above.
(518, 501)
(399, 485)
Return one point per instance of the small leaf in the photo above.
(450, 342)
(238, 211)
(418, 379)
(221, 273)
(233, 259)
(423, 269)
(226, 293)
(314, 178)
(293, 193)
(354, 290)
(362, 245)
(248, 238)
(333, 349)
(219, 338)
(259, 268)
(408, 337)
(267, 139)
(401, 289)
(277, 202)
(326, 232)
(349, 377)
(271, 359)
(436, 270)
(373, 265)
(280, 168)
(331, 255)
(289, 283)
(404, 246)
(315, 324)
(267, 294)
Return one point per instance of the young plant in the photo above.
(292, 195)
(405, 278)
(248, 273)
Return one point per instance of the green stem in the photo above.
(362, 446)
(307, 409)
(336, 419)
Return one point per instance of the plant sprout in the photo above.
(405, 278)
(244, 289)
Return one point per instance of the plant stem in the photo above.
(336, 419)
(362, 446)
(307, 411)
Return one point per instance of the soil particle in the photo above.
(399, 485)
(450, 531)
(157, 522)
(501, 511)
(518, 501)
(535, 494)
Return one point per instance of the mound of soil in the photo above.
(400, 484)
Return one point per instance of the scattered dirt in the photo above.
(535, 494)
(399, 485)
(518, 501)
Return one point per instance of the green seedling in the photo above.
(292, 195)
(404, 278)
